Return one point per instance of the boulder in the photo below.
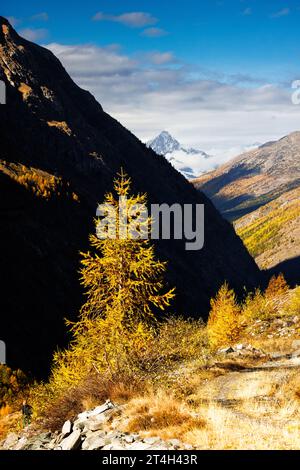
(21, 443)
(66, 429)
(108, 405)
(95, 423)
(72, 442)
(10, 441)
(94, 441)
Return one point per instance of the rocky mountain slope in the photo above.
(187, 160)
(272, 234)
(254, 178)
(59, 153)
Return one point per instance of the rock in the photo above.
(296, 353)
(188, 446)
(10, 441)
(80, 424)
(66, 429)
(129, 439)
(21, 443)
(85, 415)
(108, 405)
(138, 445)
(239, 347)
(151, 440)
(175, 443)
(38, 442)
(94, 441)
(82, 416)
(225, 350)
(95, 423)
(71, 442)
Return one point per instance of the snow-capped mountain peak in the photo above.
(184, 159)
(164, 143)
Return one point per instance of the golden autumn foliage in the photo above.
(223, 322)
(39, 182)
(124, 286)
(277, 286)
(293, 306)
(257, 306)
(12, 383)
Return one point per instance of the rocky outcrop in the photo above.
(87, 432)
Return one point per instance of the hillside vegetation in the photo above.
(272, 232)
(172, 377)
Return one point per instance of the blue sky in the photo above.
(217, 73)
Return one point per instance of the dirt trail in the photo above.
(252, 393)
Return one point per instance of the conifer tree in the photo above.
(277, 286)
(123, 279)
(124, 285)
(223, 321)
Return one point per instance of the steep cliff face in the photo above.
(59, 152)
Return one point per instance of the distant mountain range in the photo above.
(59, 154)
(187, 160)
(254, 178)
(192, 162)
(260, 191)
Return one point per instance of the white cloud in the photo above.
(161, 58)
(154, 33)
(34, 34)
(136, 19)
(280, 13)
(213, 115)
(40, 17)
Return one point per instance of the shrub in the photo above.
(293, 306)
(257, 306)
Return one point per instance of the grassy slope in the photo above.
(271, 233)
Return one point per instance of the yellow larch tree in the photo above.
(223, 322)
(124, 286)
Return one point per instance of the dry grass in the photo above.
(9, 422)
(92, 392)
(227, 430)
(161, 415)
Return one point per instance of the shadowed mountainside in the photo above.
(59, 153)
